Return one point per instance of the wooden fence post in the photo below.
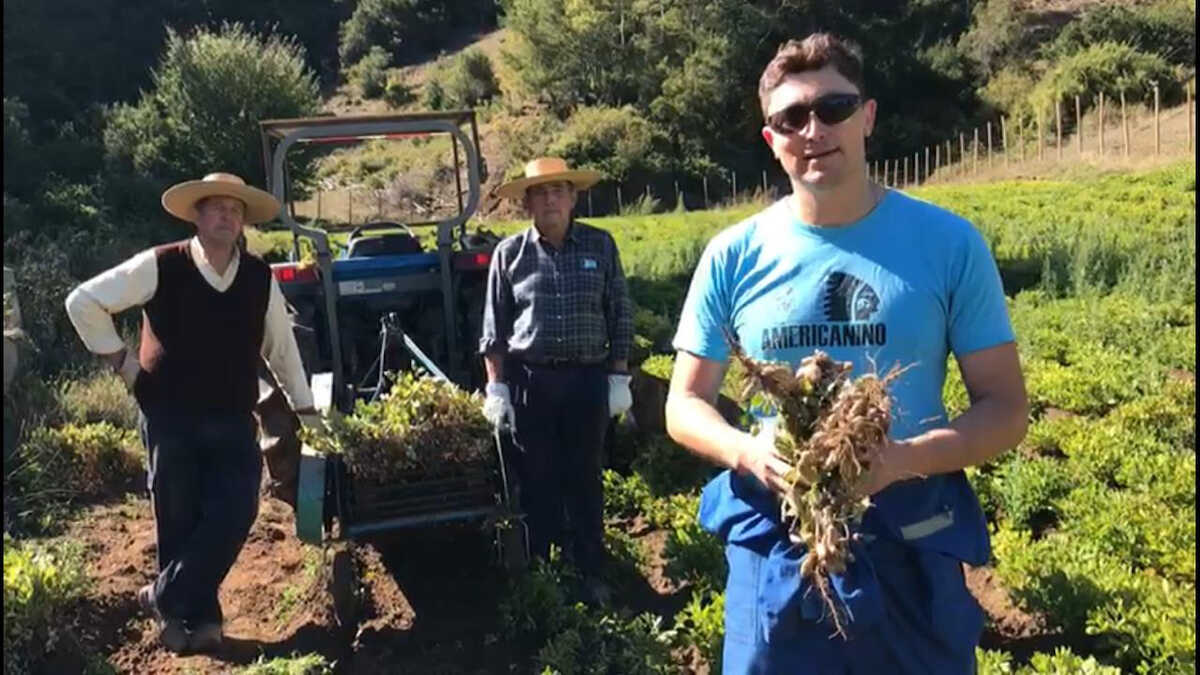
(989, 142)
(1124, 126)
(620, 205)
(885, 173)
(705, 193)
(1078, 125)
(764, 177)
(1041, 135)
(962, 153)
(734, 174)
(1004, 138)
(904, 179)
(1058, 129)
(937, 157)
(975, 153)
(1100, 122)
(927, 163)
(949, 153)
(1021, 136)
(1187, 87)
(1157, 134)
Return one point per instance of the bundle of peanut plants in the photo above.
(829, 428)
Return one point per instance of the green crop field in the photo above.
(1093, 516)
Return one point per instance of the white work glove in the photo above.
(620, 398)
(497, 407)
(129, 369)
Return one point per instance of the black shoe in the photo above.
(171, 633)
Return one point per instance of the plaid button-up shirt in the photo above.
(545, 303)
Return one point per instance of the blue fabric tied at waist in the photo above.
(745, 515)
(750, 526)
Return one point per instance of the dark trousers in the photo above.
(561, 419)
(204, 481)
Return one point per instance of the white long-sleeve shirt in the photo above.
(132, 283)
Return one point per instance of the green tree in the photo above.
(401, 27)
(616, 141)
(470, 79)
(210, 90)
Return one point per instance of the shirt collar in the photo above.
(572, 235)
(206, 268)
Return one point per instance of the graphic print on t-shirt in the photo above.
(848, 303)
(848, 298)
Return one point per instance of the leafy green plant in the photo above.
(101, 397)
(696, 556)
(307, 664)
(701, 624)
(369, 74)
(40, 583)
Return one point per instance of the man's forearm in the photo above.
(696, 425)
(493, 364)
(989, 427)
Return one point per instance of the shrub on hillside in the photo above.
(995, 36)
(398, 92)
(1167, 29)
(618, 142)
(40, 583)
(369, 74)
(468, 80)
(1109, 67)
(396, 26)
(210, 90)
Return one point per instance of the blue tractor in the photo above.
(394, 299)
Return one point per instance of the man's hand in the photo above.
(760, 459)
(620, 398)
(497, 407)
(125, 365)
(885, 469)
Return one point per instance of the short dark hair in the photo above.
(812, 53)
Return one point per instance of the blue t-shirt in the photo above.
(906, 285)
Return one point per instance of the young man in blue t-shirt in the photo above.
(877, 278)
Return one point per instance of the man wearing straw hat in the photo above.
(210, 312)
(557, 328)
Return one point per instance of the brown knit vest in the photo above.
(201, 347)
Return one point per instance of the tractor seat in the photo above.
(400, 243)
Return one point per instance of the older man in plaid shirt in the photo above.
(557, 328)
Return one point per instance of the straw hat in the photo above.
(548, 170)
(180, 200)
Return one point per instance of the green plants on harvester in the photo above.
(423, 424)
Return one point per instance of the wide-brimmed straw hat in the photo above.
(180, 200)
(548, 170)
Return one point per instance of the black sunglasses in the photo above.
(830, 109)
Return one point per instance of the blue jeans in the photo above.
(204, 478)
(927, 622)
(561, 421)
